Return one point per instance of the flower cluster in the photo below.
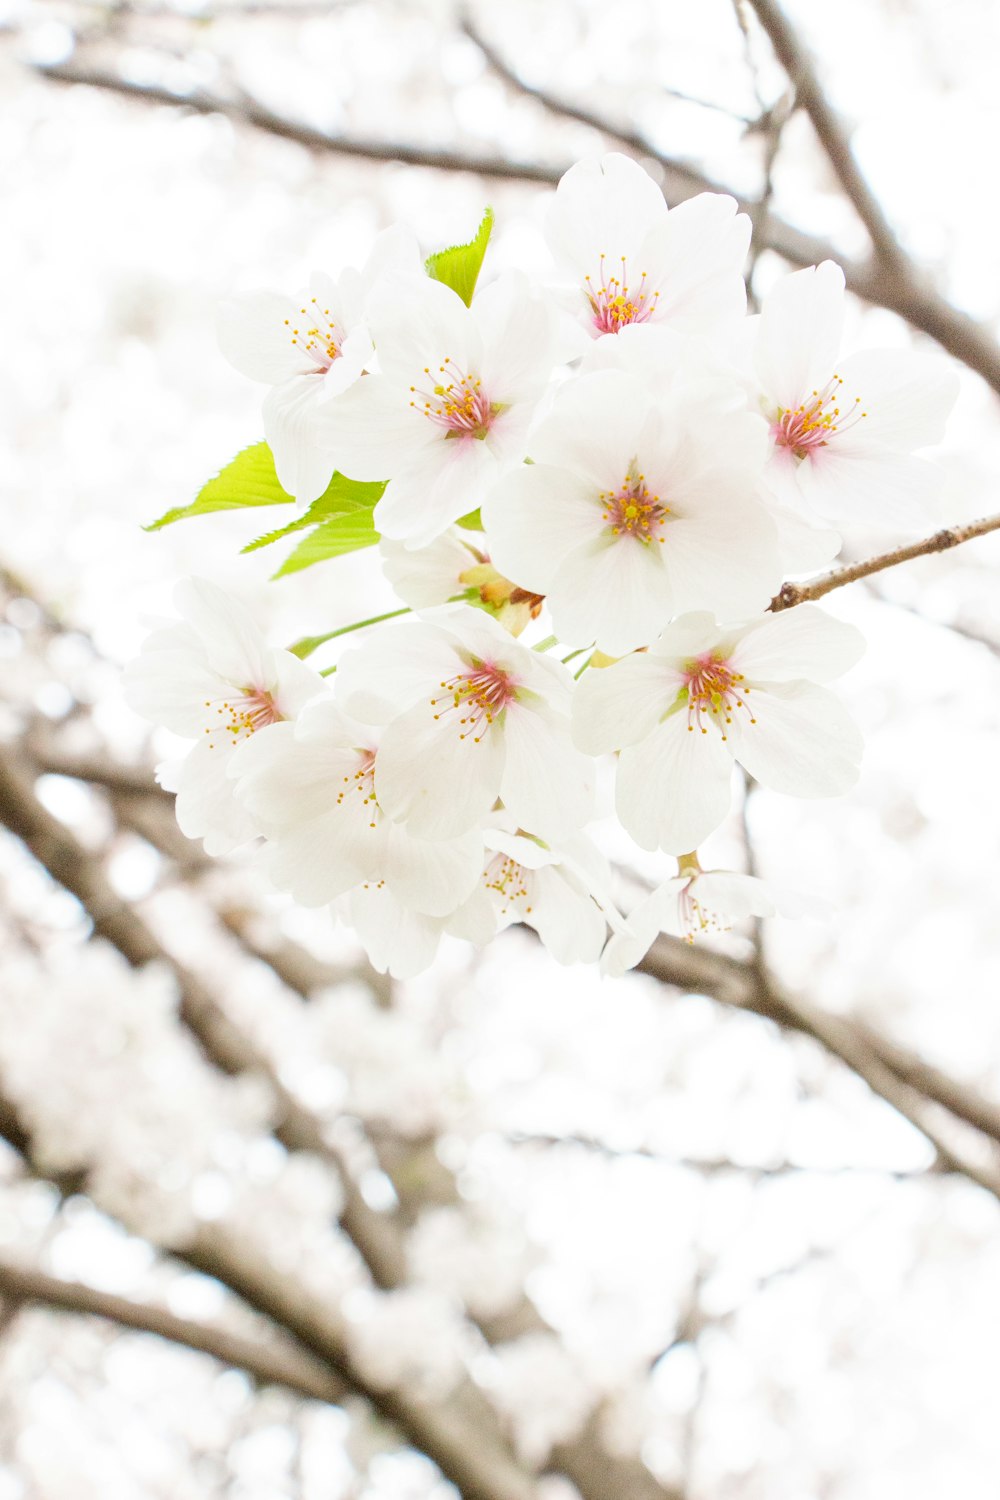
(587, 489)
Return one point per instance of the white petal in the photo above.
(547, 786)
(397, 940)
(621, 704)
(878, 487)
(615, 591)
(803, 642)
(255, 335)
(206, 808)
(234, 645)
(432, 877)
(399, 664)
(907, 397)
(607, 204)
(430, 776)
(446, 480)
(804, 742)
(695, 259)
(534, 517)
(569, 924)
(674, 787)
(721, 559)
(799, 333)
(371, 430)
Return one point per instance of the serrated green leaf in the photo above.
(459, 266)
(248, 480)
(342, 496)
(341, 534)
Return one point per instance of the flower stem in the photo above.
(310, 643)
(547, 644)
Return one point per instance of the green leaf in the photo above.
(459, 266)
(342, 497)
(249, 480)
(472, 522)
(345, 533)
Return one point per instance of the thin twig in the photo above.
(791, 594)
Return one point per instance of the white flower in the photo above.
(310, 787)
(309, 350)
(450, 569)
(215, 680)
(844, 430)
(559, 893)
(693, 902)
(633, 512)
(401, 941)
(452, 403)
(704, 696)
(471, 715)
(628, 260)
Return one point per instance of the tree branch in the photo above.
(830, 129)
(791, 594)
(268, 1364)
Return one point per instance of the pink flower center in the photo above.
(360, 786)
(321, 342)
(714, 691)
(478, 697)
(694, 917)
(509, 881)
(456, 401)
(615, 304)
(811, 424)
(238, 717)
(633, 511)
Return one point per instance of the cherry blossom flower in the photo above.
(471, 715)
(451, 568)
(401, 941)
(628, 260)
(560, 894)
(310, 787)
(215, 680)
(452, 402)
(704, 696)
(694, 902)
(309, 349)
(632, 513)
(844, 431)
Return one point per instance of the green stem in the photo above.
(578, 674)
(310, 643)
(547, 644)
(578, 652)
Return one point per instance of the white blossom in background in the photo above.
(473, 1256)
(214, 679)
(844, 430)
(451, 405)
(411, 1338)
(309, 349)
(542, 1391)
(704, 696)
(625, 259)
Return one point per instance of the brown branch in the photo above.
(831, 131)
(268, 1364)
(918, 304)
(791, 594)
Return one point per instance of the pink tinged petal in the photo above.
(622, 704)
(233, 643)
(371, 431)
(804, 642)
(907, 398)
(296, 684)
(547, 785)
(799, 333)
(695, 260)
(674, 787)
(804, 742)
(604, 204)
(724, 560)
(568, 922)
(615, 591)
(255, 335)
(396, 940)
(534, 517)
(206, 808)
(446, 480)
(434, 775)
(356, 353)
(433, 877)
(879, 487)
(593, 427)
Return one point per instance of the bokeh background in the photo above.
(727, 1229)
